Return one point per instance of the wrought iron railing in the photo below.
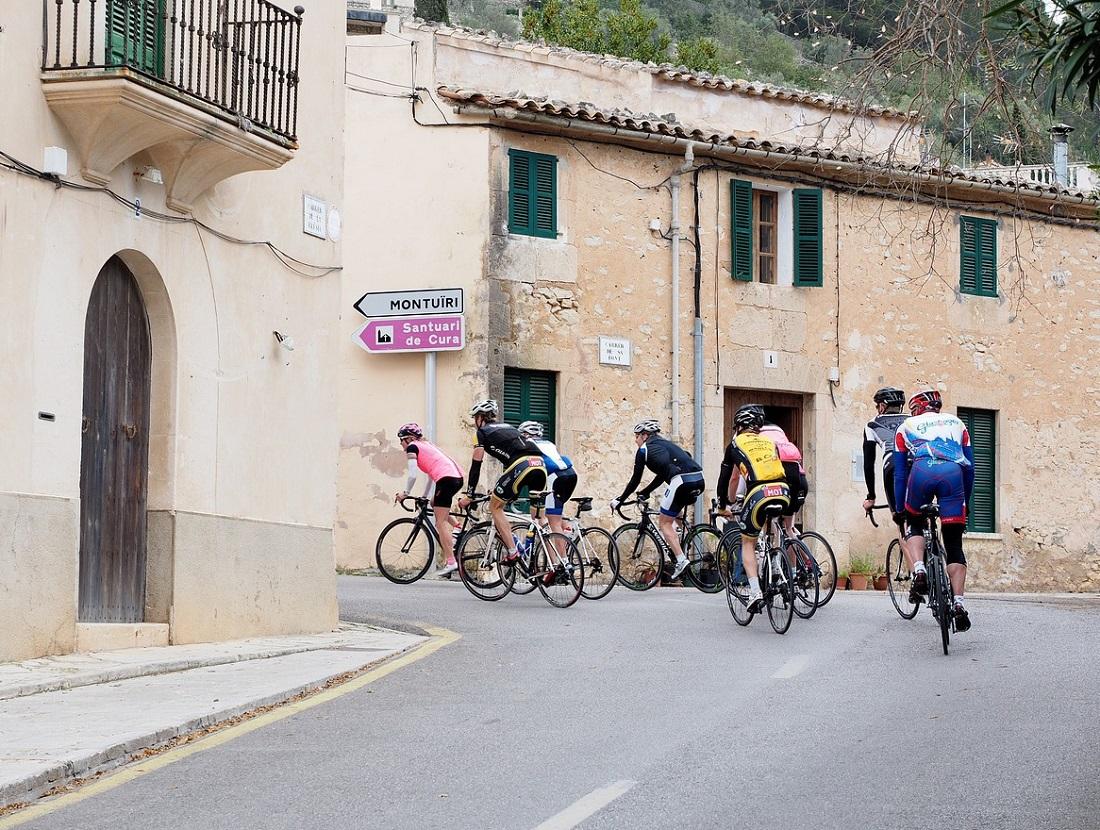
(240, 56)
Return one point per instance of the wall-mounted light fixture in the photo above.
(284, 340)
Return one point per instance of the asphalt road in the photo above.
(656, 711)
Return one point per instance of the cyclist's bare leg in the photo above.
(748, 543)
(446, 532)
(500, 522)
(667, 526)
(557, 525)
(914, 550)
(957, 573)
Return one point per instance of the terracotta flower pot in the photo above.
(842, 583)
(858, 582)
(881, 583)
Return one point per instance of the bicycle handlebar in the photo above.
(629, 503)
(871, 515)
(420, 501)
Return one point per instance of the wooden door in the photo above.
(781, 408)
(114, 458)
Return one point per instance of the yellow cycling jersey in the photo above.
(757, 457)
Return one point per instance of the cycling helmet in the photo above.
(925, 400)
(749, 416)
(410, 430)
(648, 426)
(531, 429)
(485, 407)
(890, 396)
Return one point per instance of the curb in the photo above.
(34, 787)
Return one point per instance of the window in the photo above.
(530, 396)
(978, 266)
(135, 34)
(532, 194)
(982, 426)
(767, 220)
(755, 231)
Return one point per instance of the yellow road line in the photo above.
(440, 637)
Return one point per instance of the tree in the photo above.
(578, 24)
(632, 33)
(434, 11)
(699, 54)
(1064, 39)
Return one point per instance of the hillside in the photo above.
(829, 46)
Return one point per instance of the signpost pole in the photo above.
(429, 394)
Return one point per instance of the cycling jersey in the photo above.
(756, 457)
(432, 461)
(787, 449)
(665, 459)
(880, 432)
(555, 461)
(934, 459)
(504, 443)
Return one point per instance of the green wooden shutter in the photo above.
(982, 426)
(532, 194)
(135, 34)
(978, 256)
(741, 230)
(530, 396)
(807, 237)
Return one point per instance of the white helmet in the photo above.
(531, 429)
(648, 426)
(485, 407)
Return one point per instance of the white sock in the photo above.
(682, 558)
(754, 585)
(959, 600)
(919, 568)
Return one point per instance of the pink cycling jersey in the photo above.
(432, 461)
(787, 450)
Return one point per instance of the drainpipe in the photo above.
(674, 230)
(697, 336)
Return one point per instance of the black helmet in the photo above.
(890, 396)
(750, 416)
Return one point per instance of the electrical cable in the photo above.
(284, 258)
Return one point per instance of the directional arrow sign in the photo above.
(426, 333)
(404, 303)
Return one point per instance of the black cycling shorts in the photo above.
(797, 484)
(528, 471)
(757, 500)
(562, 485)
(445, 490)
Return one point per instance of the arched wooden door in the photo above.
(114, 455)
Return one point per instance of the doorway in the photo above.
(114, 450)
(784, 409)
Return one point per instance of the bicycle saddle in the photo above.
(930, 510)
(538, 496)
(773, 509)
(583, 503)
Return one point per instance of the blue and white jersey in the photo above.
(937, 436)
(555, 461)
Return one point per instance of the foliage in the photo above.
(700, 54)
(1064, 41)
(861, 564)
(628, 32)
(434, 11)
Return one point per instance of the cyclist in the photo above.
(934, 459)
(522, 462)
(880, 432)
(561, 478)
(672, 465)
(443, 474)
(795, 473)
(755, 458)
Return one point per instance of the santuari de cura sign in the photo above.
(427, 320)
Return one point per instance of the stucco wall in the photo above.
(240, 427)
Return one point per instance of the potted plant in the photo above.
(842, 581)
(860, 569)
(880, 578)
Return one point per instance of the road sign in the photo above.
(614, 351)
(403, 303)
(424, 333)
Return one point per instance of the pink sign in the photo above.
(436, 333)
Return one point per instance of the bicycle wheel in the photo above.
(640, 559)
(701, 548)
(899, 580)
(560, 575)
(737, 584)
(779, 595)
(600, 556)
(822, 553)
(943, 600)
(478, 568)
(728, 546)
(404, 551)
(805, 578)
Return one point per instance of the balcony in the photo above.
(1079, 176)
(207, 88)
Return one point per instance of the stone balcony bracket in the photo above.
(114, 115)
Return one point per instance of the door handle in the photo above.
(129, 429)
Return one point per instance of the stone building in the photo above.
(792, 241)
(167, 471)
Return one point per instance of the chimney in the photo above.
(1059, 135)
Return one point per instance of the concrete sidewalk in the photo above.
(63, 718)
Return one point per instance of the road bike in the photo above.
(644, 554)
(941, 598)
(553, 564)
(776, 577)
(406, 547)
(899, 579)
